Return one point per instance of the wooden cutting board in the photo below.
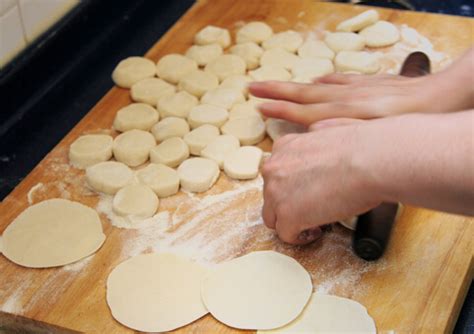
(418, 286)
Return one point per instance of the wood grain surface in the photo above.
(418, 286)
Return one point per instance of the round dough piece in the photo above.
(146, 292)
(52, 233)
(289, 40)
(170, 127)
(150, 90)
(239, 82)
(260, 290)
(131, 70)
(109, 176)
(174, 66)
(223, 97)
(135, 200)
(255, 31)
(359, 22)
(226, 65)
(329, 314)
(177, 105)
(269, 72)
(203, 54)
(139, 116)
(163, 180)
(198, 174)
(198, 139)
(133, 147)
(88, 150)
(207, 114)
(249, 130)
(249, 52)
(243, 163)
(279, 57)
(315, 49)
(312, 67)
(344, 41)
(198, 82)
(171, 152)
(359, 61)
(219, 149)
(277, 128)
(380, 34)
(243, 110)
(213, 35)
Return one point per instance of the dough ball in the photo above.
(133, 147)
(219, 149)
(203, 54)
(131, 70)
(207, 114)
(198, 174)
(150, 90)
(315, 49)
(163, 180)
(156, 292)
(249, 52)
(344, 41)
(243, 163)
(312, 67)
(198, 139)
(88, 150)
(380, 34)
(359, 61)
(279, 58)
(249, 131)
(109, 176)
(52, 233)
(135, 200)
(359, 22)
(213, 35)
(277, 128)
(269, 72)
(177, 105)
(170, 127)
(174, 66)
(255, 31)
(289, 40)
(244, 110)
(260, 290)
(198, 82)
(139, 116)
(226, 65)
(171, 152)
(223, 97)
(239, 82)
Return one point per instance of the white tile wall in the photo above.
(12, 39)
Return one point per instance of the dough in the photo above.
(131, 70)
(133, 147)
(139, 116)
(200, 137)
(226, 65)
(212, 35)
(243, 110)
(315, 49)
(53, 233)
(359, 61)
(349, 223)
(203, 54)
(88, 150)
(312, 67)
(329, 314)
(289, 40)
(260, 290)
(249, 130)
(239, 82)
(380, 34)
(109, 176)
(198, 82)
(171, 152)
(135, 200)
(156, 292)
(174, 66)
(223, 97)
(219, 148)
(177, 105)
(163, 180)
(279, 58)
(150, 90)
(277, 128)
(249, 52)
(344, 41)
(243, 163)
(207, 114)
(269, 72)
(359, 22)
(170, 127)
(255, 31)
(198, 174)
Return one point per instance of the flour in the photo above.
(32, 191)
(78, 265)
(13, 303)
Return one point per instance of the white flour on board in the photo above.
(32, 191)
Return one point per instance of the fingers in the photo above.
(335, 79)
(293, 92)
(294, 234)
(328, 123)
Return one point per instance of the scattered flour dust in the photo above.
(32, 191)
(13, 303)
(78, 265)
